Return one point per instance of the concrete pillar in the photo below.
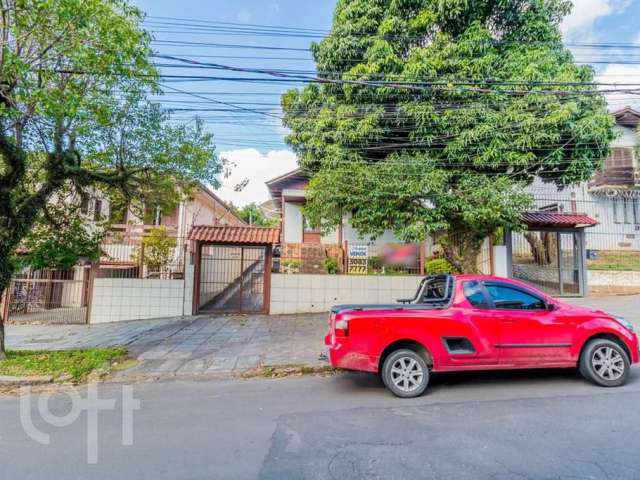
(500, 261)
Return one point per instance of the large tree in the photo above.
(430, 116)
(68, 68)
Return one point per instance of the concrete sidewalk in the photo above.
(191, 346)
(222, 345)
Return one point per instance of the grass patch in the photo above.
(73, 365)
(611, 260)
(280, 371)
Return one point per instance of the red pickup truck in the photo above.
(473, 322)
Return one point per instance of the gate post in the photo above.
(266, 295)
(196, 277)
(508, 241)
(88, 288)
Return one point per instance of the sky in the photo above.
(253, 145)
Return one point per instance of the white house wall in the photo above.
(352, 236)
(293, 223)
(607, 235)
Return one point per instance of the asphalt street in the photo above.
(514, 425)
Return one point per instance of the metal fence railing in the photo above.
(134, 257)
(350, 258)
(614, 243)
(49, 296)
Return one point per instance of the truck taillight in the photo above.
(342, 328)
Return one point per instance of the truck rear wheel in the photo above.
(405, 373)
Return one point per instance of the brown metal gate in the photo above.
(49, 296)
(232, 278)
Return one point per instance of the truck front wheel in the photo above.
(405, 373)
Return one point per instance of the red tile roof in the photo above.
(235, 235)
(557, 219)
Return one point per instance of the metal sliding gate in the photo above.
(550, 260)
(232, 278)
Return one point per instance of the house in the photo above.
(288, 197)
(612, 196)
(304, 249)
(122, 244)
(203, 207)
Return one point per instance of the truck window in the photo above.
(474, 293)
(506, 297)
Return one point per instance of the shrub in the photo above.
(375, 264)
(331, 265)
(291, 266)
(159, 248)
(438, 266)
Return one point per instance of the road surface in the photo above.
(518, 425)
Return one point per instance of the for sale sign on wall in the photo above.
(358, 258)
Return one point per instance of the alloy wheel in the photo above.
(608, 363)
(406, 374)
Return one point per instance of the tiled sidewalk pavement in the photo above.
(221, 345)
(191, 346)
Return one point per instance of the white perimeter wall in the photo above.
(122, 299)
(605, 278)
(318, 293)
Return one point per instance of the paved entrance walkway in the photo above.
(201, 345)
(222, 345)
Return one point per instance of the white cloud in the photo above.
(257, 168)
(580, 23)
(619, 75)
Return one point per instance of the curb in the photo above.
(8, 381)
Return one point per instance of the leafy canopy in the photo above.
(252, 214)
(74, 75)
(433, 114)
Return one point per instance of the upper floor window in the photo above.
(84, 203)
(97, 210)
(626, 210)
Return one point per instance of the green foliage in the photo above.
(291, 266)
(331, 265)
(158, 248)
(472, 117)
(77, 364)
(252, 214)
(437, 266)
(170, 160)
(58, 243)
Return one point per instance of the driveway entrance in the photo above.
(232, 279)
(232, 268)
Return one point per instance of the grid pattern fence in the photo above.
(613, 244)
(48, 296)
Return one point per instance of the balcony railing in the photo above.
(133, 234)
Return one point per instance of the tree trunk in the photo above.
(543, 247)
(462, 252)
(6, 271)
